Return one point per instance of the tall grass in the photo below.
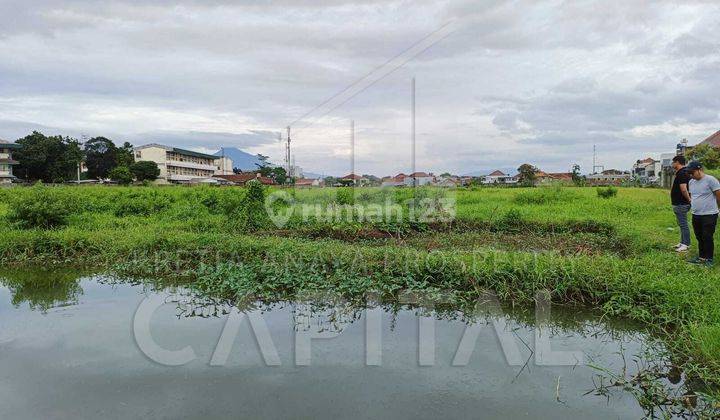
(157, 231)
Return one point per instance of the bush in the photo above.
(511, 221)
(145, 170)
(40, 207)
(345, 196)
(251, 216)
(121, 175)
(141, 203)
(544, 195)
(608, 192)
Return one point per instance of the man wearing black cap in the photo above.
(705, 196)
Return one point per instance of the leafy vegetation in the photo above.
(607, 192)
(121, 174)
(40, 207)
(613, 254)
(145, 170)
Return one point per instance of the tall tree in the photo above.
(527, 174)
(125, 155)
(47, 159)
(578, 179)
(708, 156)
(100, 157)
(145, 170)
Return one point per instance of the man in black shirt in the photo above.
(681, 201)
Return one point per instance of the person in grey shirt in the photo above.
(705, 196)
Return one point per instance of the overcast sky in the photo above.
(507, 82)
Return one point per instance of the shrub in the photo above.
(145, 170)
(345, 196)
(41, 207)
(544, 195)
(608, 192)
(121, 175)
(511, 221)
(251, 216)
(141, 203)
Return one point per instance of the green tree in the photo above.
(100, 157)
(252, 215)
(708, 156)
(121, 174)
(527, 174)
(125, 155)
(48, 159)
(145, 170)
(577, 178)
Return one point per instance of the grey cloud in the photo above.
(207, 139)
(517, 78)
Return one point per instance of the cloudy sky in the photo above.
(498, 82)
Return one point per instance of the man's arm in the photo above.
(717, 197)
(686, 193)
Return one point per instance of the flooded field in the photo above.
(97, 346)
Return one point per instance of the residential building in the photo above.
(419, 179)
(561, 177)
(499, 177)
(7, 162)
(648, 170)
(394, 181)
(542, 177)
(609, 177)
(183, 166)
(309, 182)
(448, 182)
(354, 180)
(713, 140)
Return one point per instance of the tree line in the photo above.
(55, 159)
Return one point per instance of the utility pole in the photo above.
(84, 140)
(287, 152)
(352, 149)
(412, 134)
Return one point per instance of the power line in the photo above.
(350, 86)
(403, 58)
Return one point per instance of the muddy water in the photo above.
(76, 348)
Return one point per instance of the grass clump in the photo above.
(607, 192)
(40, 207)
(544, 196)
(251, 215)
(141, 203)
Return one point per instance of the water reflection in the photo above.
(43, 289)
(104, 305)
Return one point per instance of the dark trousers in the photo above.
(704, 227)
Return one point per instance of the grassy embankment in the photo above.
(610, 253)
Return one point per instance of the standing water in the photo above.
(97, 346)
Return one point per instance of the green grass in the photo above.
(609, 253)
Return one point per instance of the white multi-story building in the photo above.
(183, 166)
(7, 162)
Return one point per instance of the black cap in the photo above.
(693, 166)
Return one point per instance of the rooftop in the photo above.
(178, 150)
(713, 140)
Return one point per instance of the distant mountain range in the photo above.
(242, 160)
